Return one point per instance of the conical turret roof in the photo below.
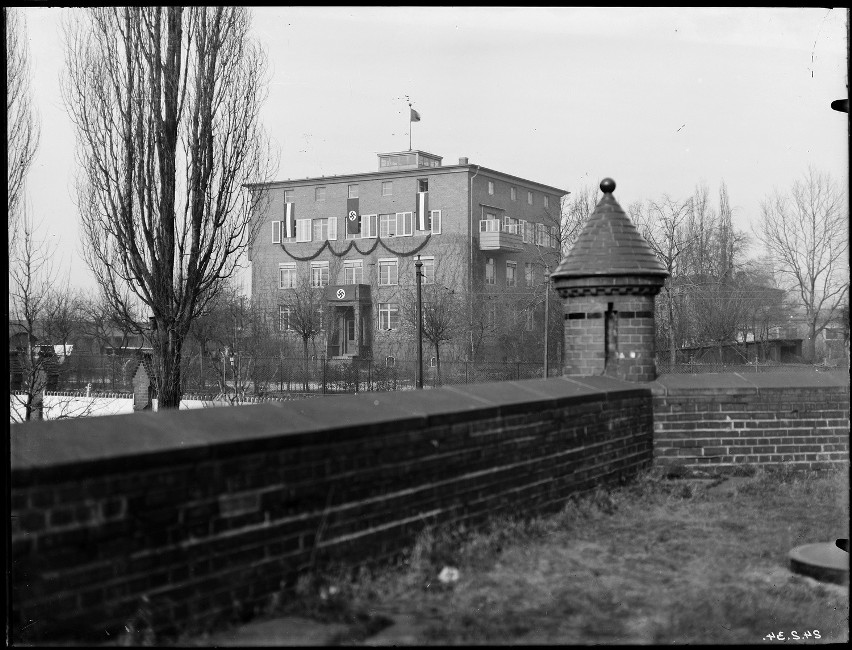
(609, 245)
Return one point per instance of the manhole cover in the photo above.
(823, 561)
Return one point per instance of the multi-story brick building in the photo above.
(485, 237)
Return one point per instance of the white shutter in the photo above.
(523, 228)
(436, 222)
(332, 227)
(276, 232)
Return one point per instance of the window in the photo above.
(319, 274)
(353, 271)
(388, 316)
(388, 272)
(514, 193)
(387, 225)
(522, 226)
(546, 200)
(428, 270)
(286, 276)
(436, 222)
(554, 237)
(387, 188)
(353, 191)
(510, 224)
(491, 316)
(288, 196)
(276, 232)
(511, 271)
(303, 230)
(368, 225)
(285, 316)
(491, 187)
(489, 271)
(390, 362)
(396, 225)
(541, 236)
(320, 229)
(423, 185)
(528, 273)
(529, 198)
(405, 223)
(433, 362)
(319, 193)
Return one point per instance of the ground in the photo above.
(683, 561)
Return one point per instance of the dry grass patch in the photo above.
(658, 561)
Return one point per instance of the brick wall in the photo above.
(207, 513)
(723, 420)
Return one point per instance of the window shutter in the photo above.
(276, 232)
(332, 227)
(436, 222)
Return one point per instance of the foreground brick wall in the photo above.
(720, 421)
(208, 513)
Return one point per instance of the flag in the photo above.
(415, 116)
(289, 220)
(353, 219)
(423, 220)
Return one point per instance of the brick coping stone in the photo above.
(73, 448)
(729, 382)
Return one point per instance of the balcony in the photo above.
(496, 236)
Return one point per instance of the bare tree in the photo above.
(22, 124)
(805, 233)
(663, 225)
(166, 105)
(304, 316)
(63, 310)
(442, 312)
(33, 296)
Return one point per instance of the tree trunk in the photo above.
(168, 386)
(305, 378)
(672, 349)
(438, 362)
(808, 345)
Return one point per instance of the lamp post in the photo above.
(546, 317)
(418, 265)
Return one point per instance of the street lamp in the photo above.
(418, 265)
(546, 317)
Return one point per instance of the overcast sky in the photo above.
(658, 99)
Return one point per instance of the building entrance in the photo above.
(351, 318)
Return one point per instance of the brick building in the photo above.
(485, 237)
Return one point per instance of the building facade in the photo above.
(341, 250)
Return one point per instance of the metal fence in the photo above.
(271, 376)
(330, 376)
(278, 376)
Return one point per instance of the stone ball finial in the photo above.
(607, 186)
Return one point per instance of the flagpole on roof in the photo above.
(410, 122)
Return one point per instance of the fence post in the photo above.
(323, 375)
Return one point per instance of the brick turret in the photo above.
(608, 282)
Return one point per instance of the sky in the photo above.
(659, 99)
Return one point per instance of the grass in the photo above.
(657, 561)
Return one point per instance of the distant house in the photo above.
(788, 350)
